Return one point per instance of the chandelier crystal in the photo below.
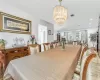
(60, 14)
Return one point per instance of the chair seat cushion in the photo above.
(76, 77)
(78, 68)
(79, 61)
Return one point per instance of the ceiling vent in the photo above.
(72, 15)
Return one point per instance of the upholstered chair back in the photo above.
(75, 43)
(54, 45)
(93, 71)
(34, 48)
(84, 66)
(85, 48)
(89, 51)
(46, 46)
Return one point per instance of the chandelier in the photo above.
(60, 14)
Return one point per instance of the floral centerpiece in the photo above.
(63, 41)
(2, 43)
(32, 39)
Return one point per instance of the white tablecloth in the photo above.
(54, 64)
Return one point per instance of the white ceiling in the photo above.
(84, 10)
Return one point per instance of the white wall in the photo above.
(10, 36)
(50, 26)
(55, 35)
(5, 7)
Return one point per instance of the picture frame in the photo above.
(49, 32)
(13, 24)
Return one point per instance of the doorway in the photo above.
(42, 34)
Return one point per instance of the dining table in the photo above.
(53, 64)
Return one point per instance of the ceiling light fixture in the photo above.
(60, 14)
(89, 23)
(91, 19)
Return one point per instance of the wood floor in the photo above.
(1, 77)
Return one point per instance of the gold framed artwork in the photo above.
(49, 32)
(10, 23)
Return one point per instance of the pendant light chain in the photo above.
(60, 2)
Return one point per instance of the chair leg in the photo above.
(1, 71)
(3, 68)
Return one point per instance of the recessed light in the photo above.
(91, 19)
(89, 23)
(78, 24)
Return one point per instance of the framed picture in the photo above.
(49, 32)
(10, 23)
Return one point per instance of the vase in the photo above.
(33, 41)
(63, 45)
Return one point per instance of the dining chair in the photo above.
(93, 71)
(54, 45)
(75, 43)
(86, 53)
(34, 48)
(2, 62)
(84, 49)
(58, 43)
(46, 46)
(84, 67)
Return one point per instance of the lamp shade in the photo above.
(60, 14)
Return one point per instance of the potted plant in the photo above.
(2, 43)
(93, 38)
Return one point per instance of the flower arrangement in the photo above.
(32, 38)
(2, 43)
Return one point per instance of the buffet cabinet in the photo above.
(14, 53)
